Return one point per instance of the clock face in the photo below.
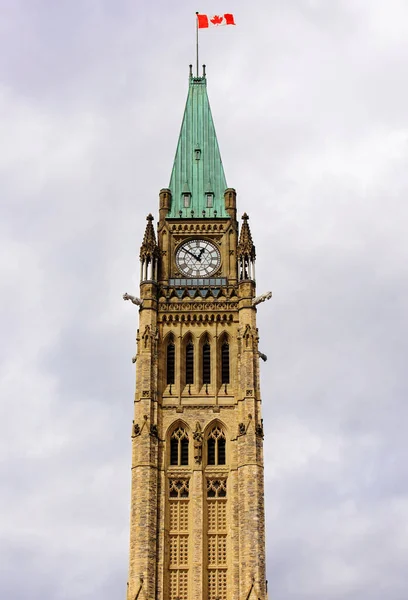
(198, 258)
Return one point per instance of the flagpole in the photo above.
(197, 44)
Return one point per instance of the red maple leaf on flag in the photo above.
(216, 20)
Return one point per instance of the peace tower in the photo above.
(197, 529)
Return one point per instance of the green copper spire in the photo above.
(197, 181)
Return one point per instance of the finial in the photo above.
(203, 70)
(150, 217)
(191, 70)
(245, 217)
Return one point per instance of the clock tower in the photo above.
(197, 529)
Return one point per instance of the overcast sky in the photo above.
(309, 99)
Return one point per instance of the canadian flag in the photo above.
(205, 21)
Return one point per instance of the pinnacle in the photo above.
(246, 246)
(149, 246)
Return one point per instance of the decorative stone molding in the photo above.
(198, 306)
(197, 227)
(197, 319)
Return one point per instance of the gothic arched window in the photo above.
(225, 363)
(206, 365)
(216, 447)
(170, 362)
(179, 447)
(190, 362)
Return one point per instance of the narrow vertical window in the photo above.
(171, 353)
(179, 447)
(216, 454)
(211, 451)
(184, 451)
(190, 363)
(225, 363)
(206, 363)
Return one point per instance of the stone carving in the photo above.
(153, 430)
(134, 359)
(140, 588)
(263, 356)
(198, 443)
(261, 298)
(242, 428)
(137, 430)
(259, 430)
(133, 299)
(146, 335)
(247, 333)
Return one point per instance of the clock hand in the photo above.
(193, 255)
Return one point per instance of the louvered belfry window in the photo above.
(225, 366)
(171, 355)
(206, 363)
(190, 363)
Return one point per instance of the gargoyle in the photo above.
(133, 299)
(263, 356)
(261, 298)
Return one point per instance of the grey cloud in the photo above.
(309, 105)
